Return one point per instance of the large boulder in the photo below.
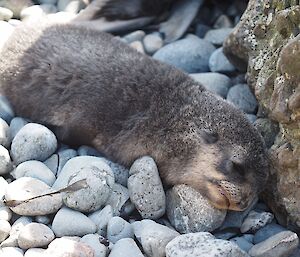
(267, 42)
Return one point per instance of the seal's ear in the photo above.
(208, 136)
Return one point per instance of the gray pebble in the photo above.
(68, 222)
(152, 43)
(5, 228)
(99, 180)
(190, 55)
(36, 11)
(92, 240)
(223, 22)
(118, 228)
(34, 169)
(5, 31)
(256, 220)
(42, 219)
(5, 213)
(63, 157)
(218, 62)
(35, 235)
(121, 173)
(5, 161)
(101, 218)
(11, 252)
(33, 142)
(242, 243)
(217, 36)
(145, 188)
(118, 197)
(267, 231)
(153, 237)
(89, 151)
(188, 211)
(26, 188)
(248, 237)
(71, 6)
(52, 163)
(15, 125)
(241, 96)
(280, 245)
(137, 45)
(5, 14)
(251, 117)
(201, 30)
(125, 247)
(34, 252)
(214, 82)
(202, 244)
(6, 111)
(137, 35)
(4, 133)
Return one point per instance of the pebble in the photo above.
(152, 43)
(118, 228)
(99, 180)
(33, 142)
(15, 125)
(71, 6)
(5, 31)
(188, 211)
(93, 240)
(256, 220)
(63, 157)
(35, 235)
(101, 218)
(242, 243)
(202, 244)
(280, 245)
(5, 213)
(201, 30)
(34, 252)
(6, 111)
(218, 62)
(145, 188)
(121, 173)
(12, 240)
(37, 11)
(5, 228)
(68, 222)
(153, 237)
(137, 35)
(42, 219)
(11, 252)
(267, 231)
(4, 133)
(5, 161)
(190, 55)
(137, 45)
(89, 151)
(214, 82)
(217, 36)
(34, 169)
(62, 247)
(125, 247)
(52, 163)
(223, 22)
(251, 117)
(26, 188)
(241, 96)
(48, 2)
(117, 199)
(5, 14)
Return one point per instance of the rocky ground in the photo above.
(90, 206)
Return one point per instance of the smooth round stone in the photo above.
(64, 156)
(12, 240)
(137, 45)
(251, 117)
(217, 36)
(267, 231)
(89, 151)
(68, 222)
(5, 14)
(63, 247)
(125, 247)
(242, 243)
(188, 211)
(52, 163)
(26, 188)
(15, 125)
(280, 245)
(5, 228)
(223, 22)
(3, 187)
(72, 6)
(5, 162)
(5, 31)
(137, 35)
(145, 188)
(152, 43)
(218, 62)
(34, 252)
(214, 82)
(118, 228)
(11, 252)
(35, 235)
(190, 55)
(6, 111)
(42, 219)
(241, 96)
(5, 213)
(4, 133)
(99, 185)
(153, 236)
(202, 244)
(101, 219)
(118, 197)
(121, 173)
(92, 240)
(33, 142)
(256, 220)
(34, 169)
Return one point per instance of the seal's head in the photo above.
(227, 159)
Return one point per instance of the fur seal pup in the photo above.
(93, 89)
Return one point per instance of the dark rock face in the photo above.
(267, 38)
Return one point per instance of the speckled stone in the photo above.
(267, 231)
(256, 220)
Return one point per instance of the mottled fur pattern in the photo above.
(93, 89)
